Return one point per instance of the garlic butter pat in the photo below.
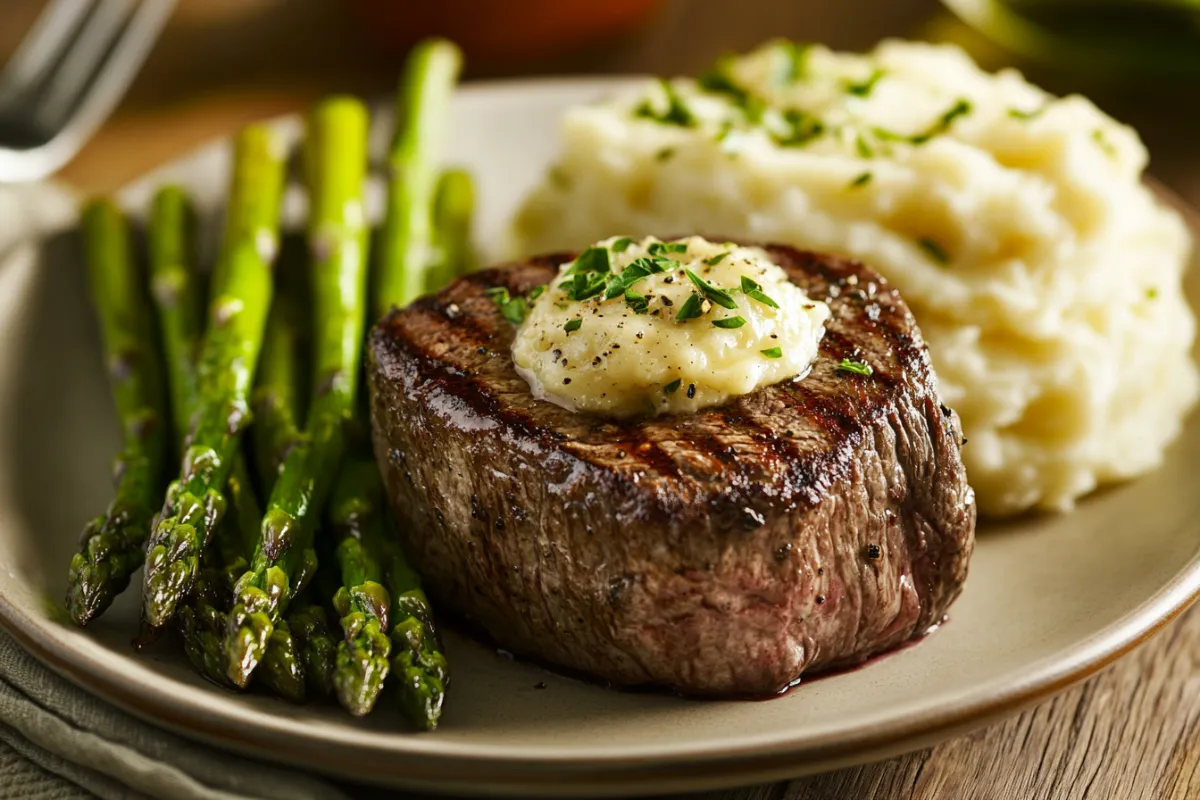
(648, 327)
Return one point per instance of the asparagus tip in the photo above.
(246, 642)
(362, 663)
(277, 529)
(170, 571)
(281, 669)
(89, 591)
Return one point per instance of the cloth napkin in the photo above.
(59, 742)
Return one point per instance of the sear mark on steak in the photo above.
(808, 525)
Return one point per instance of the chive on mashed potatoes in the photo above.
(1045, 276)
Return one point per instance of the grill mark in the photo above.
(650, 453)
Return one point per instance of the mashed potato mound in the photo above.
(1046, 277)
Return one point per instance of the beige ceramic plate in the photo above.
(1049, 600)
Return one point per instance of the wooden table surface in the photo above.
(1132, 731)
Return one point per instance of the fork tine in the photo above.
(85, 83)
(80, 65)
(42, 46)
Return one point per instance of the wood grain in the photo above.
(1131, 732)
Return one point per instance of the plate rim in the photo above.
(695, 765)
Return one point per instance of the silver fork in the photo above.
(67, 75)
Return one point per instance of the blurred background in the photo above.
(221, 63)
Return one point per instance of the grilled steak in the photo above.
(807, 525)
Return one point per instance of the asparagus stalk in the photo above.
(175, 287)
(453, 206)
(361, 601)
(111, 547)
(283, 559)
(419, 667)
(241, 295)
(277, 400)
(422, 114)
(275, 431)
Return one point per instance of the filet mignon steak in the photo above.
(807, 525)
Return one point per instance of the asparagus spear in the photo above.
(276, 399)
(175, 287)
(452, 208)
(355, 512)
(241, 295)
(422, 114)
(111, 546)
(283, 559)
(419, 667)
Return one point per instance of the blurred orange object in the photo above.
(503, 30)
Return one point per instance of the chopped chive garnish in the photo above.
(717, 259)
(1017, 113)
(718, 81)
(864, 88)
(639, 268)
(594, 259)
(673, 386)
(857, 367)
(676, 112)
(959, 109)
(772, 352)
(718, 296)
(537, 292)
(730, 140)
(622, 244)
(662, 248)
(585, 286)
(573, 325)
(1099, 138)
(934, 250)
(755, 292)
(514, 310)
(664, 154)
(795, 62)
(729, 322)
(637, 302)
(511, 308)
(864, 149)
(798, 129)
(861, 180)
(690, 309)
(943, 124)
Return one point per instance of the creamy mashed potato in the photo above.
(686, 324)
(1046, 277)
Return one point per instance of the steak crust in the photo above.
(808, 525)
